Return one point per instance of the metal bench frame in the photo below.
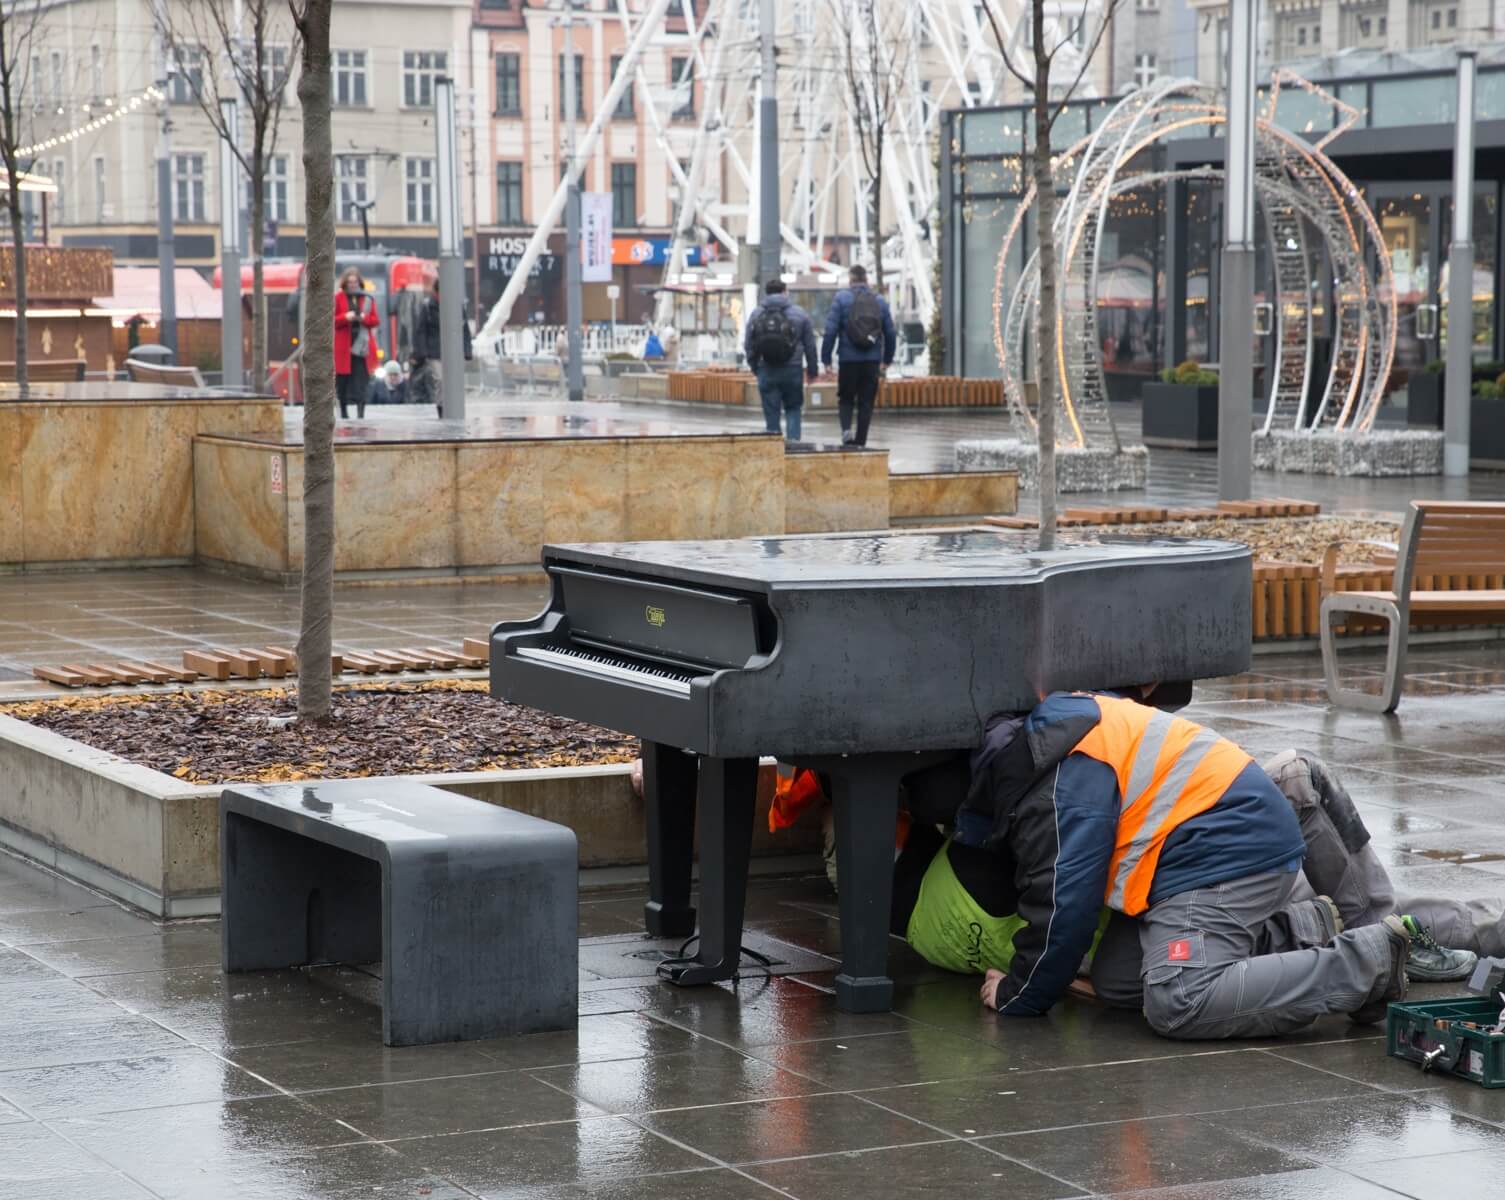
(1395, 607)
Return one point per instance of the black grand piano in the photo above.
(866, 657)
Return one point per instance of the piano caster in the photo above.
(691, 972)
(866, 994)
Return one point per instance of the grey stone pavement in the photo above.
(130, 1067)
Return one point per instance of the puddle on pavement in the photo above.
(1460, 857)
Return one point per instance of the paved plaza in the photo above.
(130, 1067)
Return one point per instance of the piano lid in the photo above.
(965, 556)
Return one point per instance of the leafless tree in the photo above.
(874, 44)
(243, 50)
(316, 621)
(1045, 45)
(19, 23)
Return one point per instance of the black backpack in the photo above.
(773, 340)
(864, 320)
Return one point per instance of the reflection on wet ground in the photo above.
(130, 1067)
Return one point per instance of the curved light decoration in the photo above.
(1299, 188)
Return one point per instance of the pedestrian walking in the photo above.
(426, 379)
(860, 329)
(779, 335)
(388, 386)
(355, 354)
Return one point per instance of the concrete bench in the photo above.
(1465, 541)
(472, 909)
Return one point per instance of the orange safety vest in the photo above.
(1169, 770)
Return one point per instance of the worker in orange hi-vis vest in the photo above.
(1103, 801)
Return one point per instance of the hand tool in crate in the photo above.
(1464, 1036)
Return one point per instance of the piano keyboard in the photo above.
(610, 667)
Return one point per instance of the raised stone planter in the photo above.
(1088, 469)
(153, 841)
(1376, 454)
(1180, 416)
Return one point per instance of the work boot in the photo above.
(1432, 962)
(1393, 985)
(1332, 919)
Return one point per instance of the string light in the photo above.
(93, 126)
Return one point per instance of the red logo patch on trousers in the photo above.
(1180, 951)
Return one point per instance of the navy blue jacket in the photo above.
(836, 329)
(1056, 810)
(804, 333)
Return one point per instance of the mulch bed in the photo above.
(1283, 539)
(378, 729)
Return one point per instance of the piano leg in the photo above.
(728, 801)
(669, 785)
(866, 803)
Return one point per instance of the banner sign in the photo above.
(595, 237)
(650, 252)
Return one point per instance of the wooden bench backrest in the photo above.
(53, 370)
(1444, 537)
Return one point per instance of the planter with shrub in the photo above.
(1181, 411)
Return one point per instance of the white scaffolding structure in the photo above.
(913, 59)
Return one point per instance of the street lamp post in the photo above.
(573, 314)
(451, 253)
(1458, 386)
(231, 352)
(1236, 291)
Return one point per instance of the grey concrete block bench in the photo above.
(471, 908)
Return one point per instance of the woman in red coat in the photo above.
(355, 354)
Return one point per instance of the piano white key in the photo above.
(596, 664)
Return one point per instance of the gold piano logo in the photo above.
(656, 616)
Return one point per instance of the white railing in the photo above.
(528, 340)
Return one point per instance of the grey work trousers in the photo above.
(1206, 977)
(1339, 863)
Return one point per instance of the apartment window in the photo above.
(682, 73)
(624, 110)
(419, 180)
(564, 106)
(496, 5)
(188, 74)
(1144, 69)
(96, 72)
(188, 187)
(37, 84)
(58, 207)
(354, 176)
(1437, 18)
(509, 85)
(624, 195)
(1076, 32)
(274, 69)
(350, 79)
(1147, 5)
(419, 70)
(57, 76)
(275, 184)
(1452, 18)
(1301, 36)
(101, 197)
(509, 193)
(1366, 27)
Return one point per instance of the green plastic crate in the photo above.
(1435, 1030)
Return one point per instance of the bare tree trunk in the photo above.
(878, 209)
(258, 276)
(18, 242)
(315, 635)
(1045, 315)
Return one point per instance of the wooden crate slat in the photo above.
(59, 675)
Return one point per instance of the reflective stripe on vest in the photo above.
(1169, 770)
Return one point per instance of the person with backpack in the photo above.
(778, 334)
(861, 322)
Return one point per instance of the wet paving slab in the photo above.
(132, 1067)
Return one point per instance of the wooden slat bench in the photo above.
(1464, 541)
(141, 372)
(47, 370)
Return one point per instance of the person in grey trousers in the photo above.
(779, 333)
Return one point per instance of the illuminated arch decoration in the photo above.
(1306, 202)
